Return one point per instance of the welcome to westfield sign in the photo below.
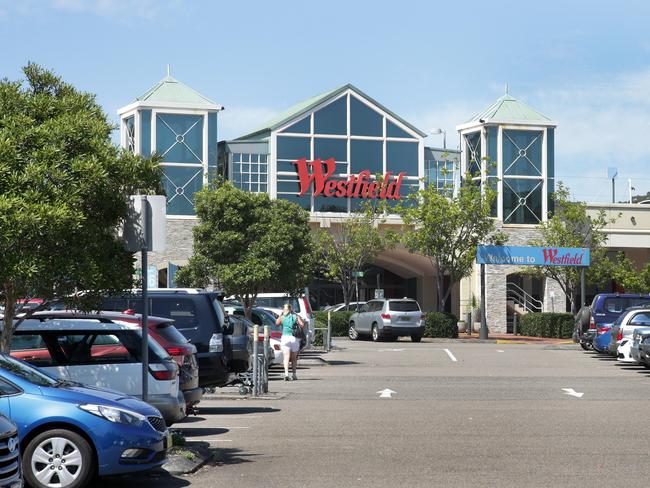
(533, 256)
(356, 186)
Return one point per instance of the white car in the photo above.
(274, 302)
(623, 330)
(100, 350)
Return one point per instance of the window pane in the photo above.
(522, 201)
(293, 148)
(179, 138)
(492, 150)
(300, 127)
(288, 187)
(402, 156)
(364, 121)
(287, 166)
(7, 388)
(180, 186)
(393, 131)
(330, 148)
(473, 153)
(522, 152)
(366, 155)
(331, 119)
(304, 201)
(330, 204)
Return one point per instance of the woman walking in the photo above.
(292, 331)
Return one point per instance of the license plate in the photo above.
(405, 318)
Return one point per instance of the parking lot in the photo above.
(452, 414)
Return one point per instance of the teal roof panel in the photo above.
(509, 109)
(170, 90)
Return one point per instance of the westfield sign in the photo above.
(356, 186)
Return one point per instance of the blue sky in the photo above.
(585, 64)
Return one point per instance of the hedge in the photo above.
(441, 324)
(558, 325)
(340, 322)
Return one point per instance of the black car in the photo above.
(199, 316)
(10, 470)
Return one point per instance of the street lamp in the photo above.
(437, 132)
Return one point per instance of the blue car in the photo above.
(602, 338)
(70, 433)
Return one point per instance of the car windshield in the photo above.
(404, 306)
(277, 302)
(25, 371)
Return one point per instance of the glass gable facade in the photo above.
(371, 142)
(250, 172)
(179, 141)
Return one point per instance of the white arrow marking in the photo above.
(500, 350)
(386, 393)
(451, 356)
(572, 392)
(390, 350)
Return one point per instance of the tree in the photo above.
(448, 228)
(63, 194)
(631, 279)
(246, 244)
(571, 226)
(352, 246)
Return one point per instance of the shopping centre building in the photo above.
(325, 154)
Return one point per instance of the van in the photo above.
(607, 307)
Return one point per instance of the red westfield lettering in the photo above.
(356, 186)
(551, 257)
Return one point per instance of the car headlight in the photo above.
(114, 414)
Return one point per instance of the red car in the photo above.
(180, 349)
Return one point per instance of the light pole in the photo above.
(612, 173)
(437, 132)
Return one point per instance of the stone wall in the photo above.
(179, 244)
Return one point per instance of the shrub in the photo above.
(339, 321)
(441, 324)
(558, 325)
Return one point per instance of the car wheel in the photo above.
(352, 332)
(58, 458)
(416, 338)
(376, 336)
(585, 346)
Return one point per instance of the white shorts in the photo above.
(290, 342)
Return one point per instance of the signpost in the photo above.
(529, 256)
(144, 231)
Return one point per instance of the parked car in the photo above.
(388, 319)
(11, 473)
(602, 338)
(341, 307)
(299, 304)
(181, 351)
(606, 307)
(639, 335)
(582, 333)
(623, 329)
(103, 350)
(199, 316)
(69, 433)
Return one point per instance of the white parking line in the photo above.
(451, 356)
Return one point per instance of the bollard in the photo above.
(265, 365)
(328, 344)
(256, 341)
(514, 324)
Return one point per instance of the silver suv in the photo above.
(388, 319)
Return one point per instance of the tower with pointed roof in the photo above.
(509, 146)
(179, 124)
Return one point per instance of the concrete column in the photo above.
(495, 307)
(554, 298)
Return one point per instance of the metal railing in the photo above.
(324, 333)
(522, 298)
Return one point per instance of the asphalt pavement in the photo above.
(430, 414)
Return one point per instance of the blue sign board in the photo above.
(533, 256)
